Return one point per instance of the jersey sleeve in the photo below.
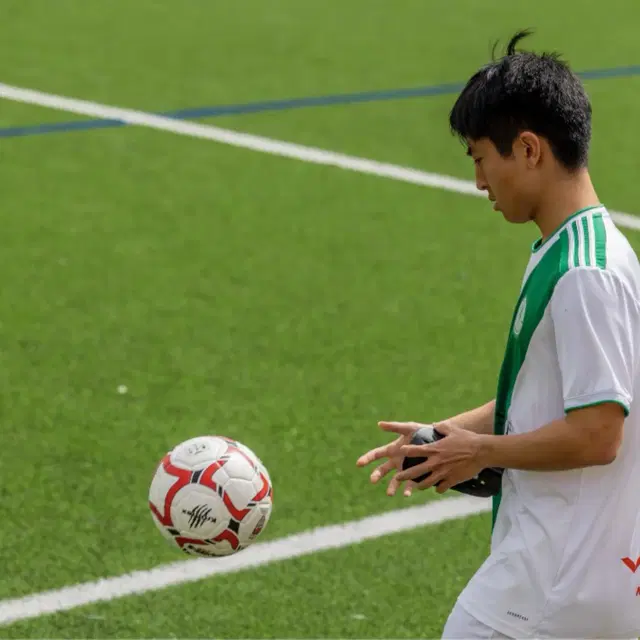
(596, 321)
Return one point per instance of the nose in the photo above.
(481, 183)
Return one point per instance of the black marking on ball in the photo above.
(234, 526)
(195, 476)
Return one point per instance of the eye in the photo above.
(477, 160)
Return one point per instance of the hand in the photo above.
(451, 460)
(391, 451)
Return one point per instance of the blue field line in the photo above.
(293, 103)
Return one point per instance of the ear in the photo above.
(531, 148)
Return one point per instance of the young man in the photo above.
(565, 423)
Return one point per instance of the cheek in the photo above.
(494, 177)
(503, 179)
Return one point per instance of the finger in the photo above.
(374, 454)
(418, 450)
(394, 485)
(449, 482)
(436, 478)
(408, 488)
(403, 428)
(417, 470)
(381, 471)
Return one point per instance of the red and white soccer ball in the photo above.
(211, 496)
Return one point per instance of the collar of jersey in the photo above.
(539, 243)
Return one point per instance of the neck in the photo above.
(562, 198)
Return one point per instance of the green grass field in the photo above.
(285, 304)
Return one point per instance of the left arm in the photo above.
(596, 322)
(585, 437)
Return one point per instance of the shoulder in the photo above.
(597, 257)
(593, 240)
(593, 287)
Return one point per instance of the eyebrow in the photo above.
(469, 151)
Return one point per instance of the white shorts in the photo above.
(463, 626)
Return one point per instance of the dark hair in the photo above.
(526, 91)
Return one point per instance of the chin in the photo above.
(513, 219)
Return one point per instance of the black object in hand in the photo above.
(487, 483)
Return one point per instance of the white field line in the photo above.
(320, 539)
(258, 143)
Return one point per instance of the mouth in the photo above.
(494, 203)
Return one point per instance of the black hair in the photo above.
(526, 91)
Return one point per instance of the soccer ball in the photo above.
(211, 496)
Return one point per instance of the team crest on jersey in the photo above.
(522, 309)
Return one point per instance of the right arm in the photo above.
(478, 420)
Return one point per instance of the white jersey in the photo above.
(566, 545)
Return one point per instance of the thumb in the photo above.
(444, 428)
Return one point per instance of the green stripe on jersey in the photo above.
(530, 308)
(581, 242)
(575, 237)
(586, 242)
(600, 239)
